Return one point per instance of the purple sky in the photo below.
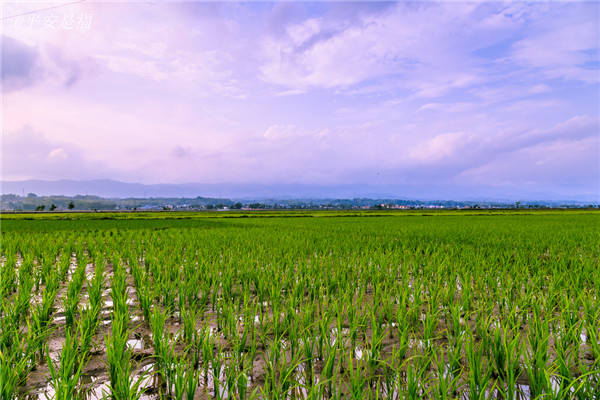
(412, 93)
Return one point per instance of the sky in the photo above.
(422, 94)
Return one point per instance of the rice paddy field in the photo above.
(293, 305)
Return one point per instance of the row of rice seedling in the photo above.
(386, 307)
(28, 318)
(25, 317)
(124, 384)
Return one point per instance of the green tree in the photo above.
(53, 207)
(71, 205)
(40, 208)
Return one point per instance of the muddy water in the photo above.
(95, 383)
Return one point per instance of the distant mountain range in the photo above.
(114, 189)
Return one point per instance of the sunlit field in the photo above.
(301, 305)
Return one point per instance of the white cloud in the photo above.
(29, 154)
(563, 51)
(540, 88)
(461, 151)
(441, 146)
(448, 107)
(58, 153)
(542, 166)
(281, 132)
(321, 53)
(528, 107)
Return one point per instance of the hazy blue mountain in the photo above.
(114, 189)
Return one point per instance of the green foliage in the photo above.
(308, 305)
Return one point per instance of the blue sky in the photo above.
(503, 94)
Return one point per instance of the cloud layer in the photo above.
(502, 94)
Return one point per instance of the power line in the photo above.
(43, 9)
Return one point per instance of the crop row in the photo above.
(387, 307)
